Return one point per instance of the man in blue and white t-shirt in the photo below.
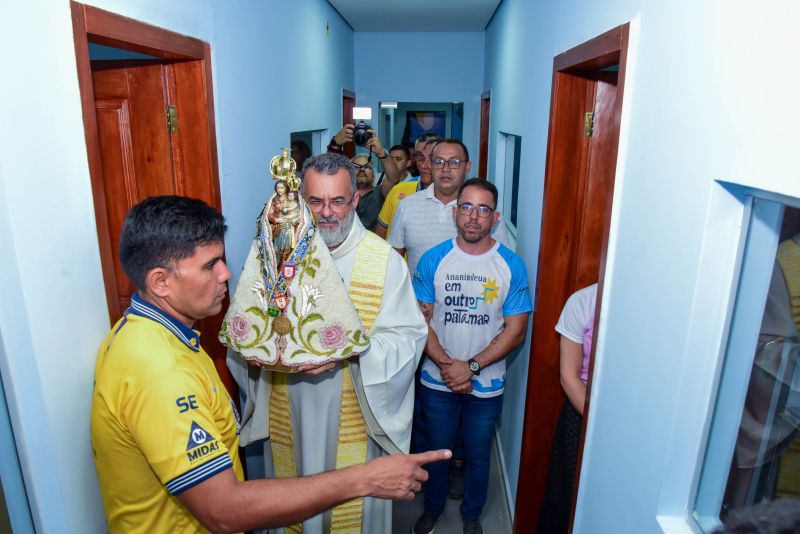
(474, 293)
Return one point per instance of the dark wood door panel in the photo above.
(483, 146)
(600, 180)
(113, 124)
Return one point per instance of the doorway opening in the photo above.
(148, 115)
(582, 146)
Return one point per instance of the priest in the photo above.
(330, 414)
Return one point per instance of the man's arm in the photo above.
(512, 335)
(396, 237)
(434, 350)
(224, 504)
(570, 367)
(380, 230)
(392, 172)
(342, 137)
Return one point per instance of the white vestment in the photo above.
(385, 383)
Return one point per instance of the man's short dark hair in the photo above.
(403, 148)
(159, 231)
(428, 138)
(452, 142)
(481, 184)
(329, 163)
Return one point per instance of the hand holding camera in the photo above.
(360, 133)
(345, 135)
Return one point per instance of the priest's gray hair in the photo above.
(328, 163)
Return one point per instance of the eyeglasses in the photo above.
(364, 165)
(419, 157)
(454, 163)
(467, 209)
(337, 204)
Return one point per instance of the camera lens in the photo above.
(361, 134)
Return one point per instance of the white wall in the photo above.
(706, 96)
(422, 67)
(53, 314)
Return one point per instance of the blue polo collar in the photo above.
(142, 308)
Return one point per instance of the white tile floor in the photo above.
(495, 518)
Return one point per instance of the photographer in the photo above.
(370, 197)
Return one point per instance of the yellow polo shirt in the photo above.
(162, 422)
(396, 194)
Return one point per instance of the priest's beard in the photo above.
(333, 237)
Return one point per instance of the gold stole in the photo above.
(789, 260)
(366, 292)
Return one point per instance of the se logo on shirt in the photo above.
(186, 403)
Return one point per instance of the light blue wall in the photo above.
(53, 314)
(276, 71)
(691, 115)
(422, 67)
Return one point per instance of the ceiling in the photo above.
(416, 15)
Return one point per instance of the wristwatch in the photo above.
(335, 147)
(385, 154)
(474, 366)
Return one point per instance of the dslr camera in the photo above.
(362, 132)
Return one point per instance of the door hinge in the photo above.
(588, 124)
(172, 118)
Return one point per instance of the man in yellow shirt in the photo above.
(422, 156)
(164, 429)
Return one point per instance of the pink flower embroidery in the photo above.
(332, 336)
(239, 328)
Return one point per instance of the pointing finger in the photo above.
(432, 456)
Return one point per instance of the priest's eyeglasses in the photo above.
(453, 163)
(337, 204)
(483, 211)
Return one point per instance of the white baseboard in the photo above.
(502, 470)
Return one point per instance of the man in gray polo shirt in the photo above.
(425, 219)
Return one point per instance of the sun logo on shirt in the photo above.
(490, 291)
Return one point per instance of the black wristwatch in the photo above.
(335, 147)
(474, 366)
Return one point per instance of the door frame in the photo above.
(348, 103)
(91, 24)
(483, 141)
(610, 48)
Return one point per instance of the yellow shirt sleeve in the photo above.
(387, 210)
(171, 419)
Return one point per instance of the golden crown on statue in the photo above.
(283, 168)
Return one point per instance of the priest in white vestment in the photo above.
(383, 375)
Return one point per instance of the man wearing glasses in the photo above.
(371, 197)
(382, 376)
(474, 293)
(426, 219)
(422, 159)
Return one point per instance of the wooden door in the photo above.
(131, 156)
(135, 148)
(348, 103)
(483, 146)
(579, 183)
(142, 157)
